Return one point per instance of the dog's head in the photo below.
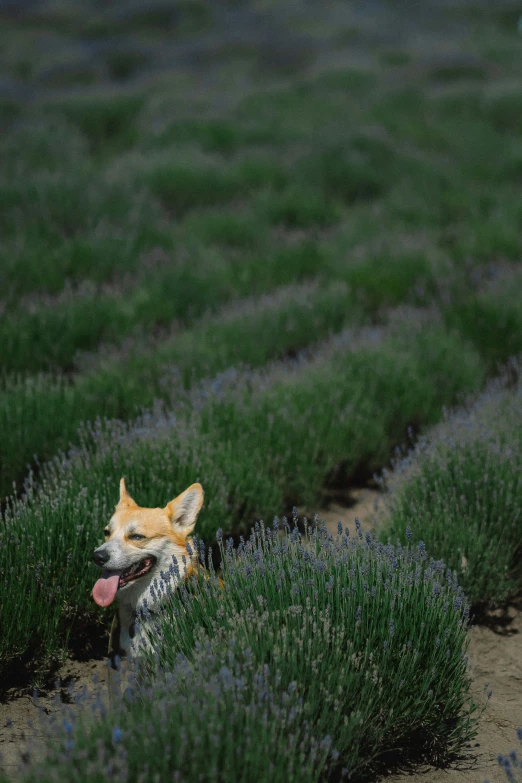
(140, 543)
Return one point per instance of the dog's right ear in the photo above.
(183, 510)
(125, 498)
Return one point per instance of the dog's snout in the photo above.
(100, 557)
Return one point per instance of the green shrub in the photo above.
(124, 63)
(503, 110)
(10, 110)
(224, 136)
(181, 188)
(300, 207)
(335, 652)
(48, 335)
(355, 171)
(257, 173)
(107, 121)
(52, 207)
(77, 259)
(120, 383)
(491, 318)
(383, 280)
(227, 228)
(256, 440)
(459, 491)
(42, 143)
(30, 427)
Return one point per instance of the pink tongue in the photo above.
(105, 589)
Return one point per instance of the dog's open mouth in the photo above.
(105, 589)
(136, 570)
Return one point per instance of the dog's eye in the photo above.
(106, 532)
(136, 537)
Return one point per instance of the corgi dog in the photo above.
(141, 544)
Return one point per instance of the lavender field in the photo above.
(265, 246)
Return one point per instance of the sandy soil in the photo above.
(23, 717)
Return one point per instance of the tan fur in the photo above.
(152, 522)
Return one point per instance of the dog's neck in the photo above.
(128, 634)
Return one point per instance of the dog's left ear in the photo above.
(184, 509)
(125, 498)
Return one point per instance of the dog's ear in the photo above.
(125, 498)
(183, 510)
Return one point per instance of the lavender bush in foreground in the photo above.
(320, 657)
(211, 721)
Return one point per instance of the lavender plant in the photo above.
(320, 657)
(256, 440)
(491, 318)
(139, 209)
(119, 382)
(460, 489)
(350, 605)
(45, 332)
(207, 721)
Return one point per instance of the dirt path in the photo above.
(21, 716)
(495, 653)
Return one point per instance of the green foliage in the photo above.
(181, 188)
(108, 121)
(492, 319)
(47, 143)
(503, 110)
(223, 136)
(132, 214)
(52, 209)
(385, 280)
(48, 335)
(255, 440)
(120, 384)
(283, 595)
(10, 109)
(362, 644)
(300, 208)
(261, 172)
(124, 63)
(359, 170)
(460, 492)
(226, 228)
(459, 71)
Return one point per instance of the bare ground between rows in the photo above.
(495, 653)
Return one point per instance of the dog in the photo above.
(141, 545)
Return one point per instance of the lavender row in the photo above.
(257, 440)
(330, 651)
(461, 487)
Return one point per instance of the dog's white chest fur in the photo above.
(132, 637)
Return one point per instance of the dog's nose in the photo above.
(100, 558)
